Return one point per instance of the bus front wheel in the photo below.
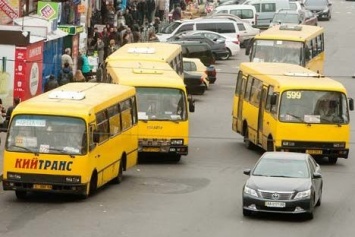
(118, 179)
(21, 194)
(332, 160)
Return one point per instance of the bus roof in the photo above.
(153, 51)
(290, 76)
(144, 74)
(299, 33)
(75, 99)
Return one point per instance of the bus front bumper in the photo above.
(11, 185)
(318, 152)
(179, 150)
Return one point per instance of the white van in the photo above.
(244, 12)
(225, 27)
(266, 10)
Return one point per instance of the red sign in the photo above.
(7, 9)
(28, 70)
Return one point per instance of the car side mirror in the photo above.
(317, 175)
(247, 171)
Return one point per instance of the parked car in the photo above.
(246, 30)
(195, 65)
(194, 49)
(194, 83)
(296, 5)
(322, 8)
(294, 17)
(218, 48)
(244, 12)
(232, 44)
(283, 182)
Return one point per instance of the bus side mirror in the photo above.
(96, 137)
(248, 46)
(191, 104)
(351, 104)
(273, 99)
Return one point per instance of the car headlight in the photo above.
(303, 195)
(73, 179)
(325, 10)
(250, 191)
(177, 142)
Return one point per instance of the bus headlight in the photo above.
(14, 176)
(339, 145)
(73, 179)
(177, 142)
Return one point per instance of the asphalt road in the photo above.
(201, 195)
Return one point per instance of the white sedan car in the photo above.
(232, 44)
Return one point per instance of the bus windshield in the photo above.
(161, 104)
(278, 51)
(301, 106)
(47, 134)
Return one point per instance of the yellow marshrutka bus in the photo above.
(153, 52)
(72, 139)
(286, 107)
(163, 106)
(302, 45)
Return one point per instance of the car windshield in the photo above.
(161, 104)
(47, 134)
(288, 168)
(170, 27)
(315, 3)
(300, 106)
(286, 18)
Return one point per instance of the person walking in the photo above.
(51, 83)
(66, 75)
(85, 67)
(66, 58)
(17, 100)
(78, 76)
(100, 47)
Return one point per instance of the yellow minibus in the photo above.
(163, 106)
(72, 140)
(302, 45)
(151, 51)
(286, 107)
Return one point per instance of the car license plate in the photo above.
(314, 152)
(151, 149)
(42, 186)
(275, 204)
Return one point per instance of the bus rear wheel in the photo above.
(248, 144)
(21, 195)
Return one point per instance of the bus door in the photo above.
(240, 104)
(261, 115)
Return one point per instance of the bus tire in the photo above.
(21, 195)
(175, 157)
(118, 179)
(332, 160)
(270, 145)
(248, 144)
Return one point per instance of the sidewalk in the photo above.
(2, 144)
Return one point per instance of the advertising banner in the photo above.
(9, 9)
(49, 10)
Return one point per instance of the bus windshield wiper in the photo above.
(23, 148)
(61, 151)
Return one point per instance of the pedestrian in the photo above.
(2, 115)
(66, 58)
(111, 48)
(17, 100)
(51, 83)
(100, 47)
(85, 67)
(66, 75)
(176, 13)
(78, 76)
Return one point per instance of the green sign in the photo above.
(49, 10)
(71, 30)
